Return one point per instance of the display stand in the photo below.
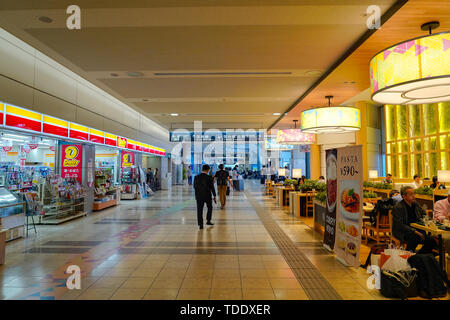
(129, 184)
(12, 219)
(105, 192)
(62, 199)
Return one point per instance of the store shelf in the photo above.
(104, 205)
(58, 221)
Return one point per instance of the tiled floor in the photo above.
(152, 249)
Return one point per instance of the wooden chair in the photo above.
(309, 202)
(393, 239)
(381, 232)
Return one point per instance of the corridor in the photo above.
(153, 249)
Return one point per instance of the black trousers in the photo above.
(412, 241)
(200, 204)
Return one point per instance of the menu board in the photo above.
(330, 215)
(72, 161)
(349, 205)
(126, 159)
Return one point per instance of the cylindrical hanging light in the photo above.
(415, 71)
(330, 119)
(294, 136)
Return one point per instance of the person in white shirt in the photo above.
(235, 178)
(322, 179)
(417, 182)
(287, 172)
(263, 174)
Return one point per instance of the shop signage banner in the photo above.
(122, 142)
(330, 215)
(349, 205)
(126, 159)
(72, 161)
(33, 146)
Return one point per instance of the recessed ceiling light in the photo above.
(174, 114)
(313, 72)
(276, 113)
(45, 19)
(135, 74)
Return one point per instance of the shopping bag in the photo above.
(228, 190)
(395, 260)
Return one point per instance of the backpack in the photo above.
(221, 178)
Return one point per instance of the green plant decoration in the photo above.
(426, 191)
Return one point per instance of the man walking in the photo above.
(222, 178)
(204, 187)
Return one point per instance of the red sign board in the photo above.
(7, 148)
(33, 146)
(72, 161)
(126, 159)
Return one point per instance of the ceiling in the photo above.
(403, 25)
(228, 63)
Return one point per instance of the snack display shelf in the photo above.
(63, 219)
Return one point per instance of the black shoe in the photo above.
(201, 227)
(209, 223)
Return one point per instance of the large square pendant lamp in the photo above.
(416, 71)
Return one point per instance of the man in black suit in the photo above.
(406, 212)
(204, 187)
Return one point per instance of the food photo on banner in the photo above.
(349, 205)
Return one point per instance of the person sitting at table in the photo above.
(417, 182)
(436, 184)
(396, 196)
(442, 208)
(388, 179)
(440, 213)
(404, 214)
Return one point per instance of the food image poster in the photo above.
(349, 205)
(330, 215)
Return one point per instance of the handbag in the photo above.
(400, 284)
(228, 190)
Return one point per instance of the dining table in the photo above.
(437, 231)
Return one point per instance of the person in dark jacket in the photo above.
(404, 213)
(204, 187)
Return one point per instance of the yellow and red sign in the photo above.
(2, 109)
(55, 126)
(122, 142)
(96, 136)
(110, 139)
(72, 161)
(78, 132)
(126, 159)
(131, 144)
(27, 120)
(23, 119)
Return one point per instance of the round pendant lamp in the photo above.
(330, 119)
(415, 71)
(294, 136)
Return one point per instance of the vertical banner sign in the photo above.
(126, 159)
(72, 161)
(330, 216)
(349, 205)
